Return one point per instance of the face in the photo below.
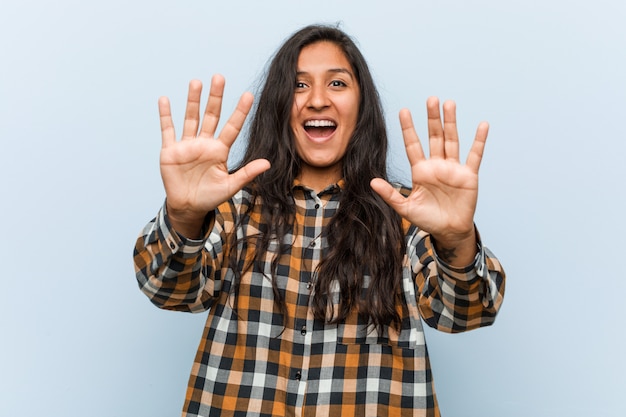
(324, 112)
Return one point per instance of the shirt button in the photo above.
(172, 245)
(309, 285)
(298, 375)
(303, 331)
(312, 244)
(317, 206)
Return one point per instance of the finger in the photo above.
(475, 155)
(435, 130)
(235, 122)
(450, 132)
(414, 150)
(192, 113)
(249, 171)
(389, 194)
(213, 108)
(168, 135)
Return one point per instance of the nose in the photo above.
(318, 98)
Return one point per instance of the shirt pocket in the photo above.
(411, 335)
(356, 332)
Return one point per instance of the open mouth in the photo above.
(320, 128)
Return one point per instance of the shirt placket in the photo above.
(312, 225)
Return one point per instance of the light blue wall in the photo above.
(79, 178)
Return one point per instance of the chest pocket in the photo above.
(411, 335)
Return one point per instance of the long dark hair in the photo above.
(365, 236)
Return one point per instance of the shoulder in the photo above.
(408, 228)
(244, 197)
(239, 203)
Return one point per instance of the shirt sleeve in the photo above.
(455, 299)
(177, 273)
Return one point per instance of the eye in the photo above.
(300, 85)
(337, 83)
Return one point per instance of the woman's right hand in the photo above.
(194, 170)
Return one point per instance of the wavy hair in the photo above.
(365, 236)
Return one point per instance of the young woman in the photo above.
(316, 272)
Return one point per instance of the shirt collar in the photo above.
(332, 188)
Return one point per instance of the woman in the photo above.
(316, 271)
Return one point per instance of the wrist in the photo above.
(457, 250)
(185, 222)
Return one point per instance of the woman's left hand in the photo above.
(444, 192)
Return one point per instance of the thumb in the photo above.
(249, 172)
(388, 193)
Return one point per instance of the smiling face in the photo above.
(324, 112)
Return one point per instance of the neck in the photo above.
(319, 178)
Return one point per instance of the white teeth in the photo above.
(319, 123)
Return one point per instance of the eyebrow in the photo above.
(332, 70)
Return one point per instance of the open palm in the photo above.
(194, 170)
(444, 192)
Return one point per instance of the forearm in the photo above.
(169, 268)
(453, 299)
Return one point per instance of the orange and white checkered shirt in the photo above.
(252, 363)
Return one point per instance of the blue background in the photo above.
(80, 139)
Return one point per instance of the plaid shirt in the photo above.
(250, 363)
